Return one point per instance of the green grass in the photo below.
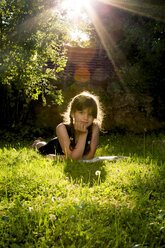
(45, 203)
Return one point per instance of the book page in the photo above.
(103, 158)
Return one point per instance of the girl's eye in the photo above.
(89, 114)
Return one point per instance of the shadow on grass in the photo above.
(82, 172)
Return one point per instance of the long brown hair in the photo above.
(82, 101)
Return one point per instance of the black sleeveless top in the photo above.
(53, 146)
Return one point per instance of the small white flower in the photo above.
(72, 216)
(89, 142)
(30, 209)
(97, 173)
(52, 217)
(53, 198)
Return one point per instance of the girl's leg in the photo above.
(52, 147)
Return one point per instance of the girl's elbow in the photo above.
(75, 157)
(72, 156)
(90, 155)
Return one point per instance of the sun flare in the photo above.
(75, 11)
(74, 7)
(78, 37)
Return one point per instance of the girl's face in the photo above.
(83, 117)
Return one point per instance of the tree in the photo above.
(136, 44)
(31, 33)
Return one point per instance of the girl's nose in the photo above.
(85, 116)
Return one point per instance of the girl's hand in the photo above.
(81, 127)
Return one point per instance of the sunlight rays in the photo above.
(32, 23)
(104, 36)
(153, 11)
(78, 11)
(137, 7)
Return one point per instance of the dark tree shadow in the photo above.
(82, 172)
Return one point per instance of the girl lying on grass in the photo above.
(77, 138)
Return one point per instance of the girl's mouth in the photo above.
(84, 122)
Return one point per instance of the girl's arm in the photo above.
(64, 140)
(94, 142)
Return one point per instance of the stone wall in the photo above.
(123, 110)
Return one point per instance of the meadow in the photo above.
(46, 203)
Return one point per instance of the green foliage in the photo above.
(144, 48)
(33, 32)
(45, 203)
(136, 45)
(30, 36)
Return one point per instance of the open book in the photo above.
(103, 158)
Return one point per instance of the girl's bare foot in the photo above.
(37, 143)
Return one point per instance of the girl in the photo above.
(77, 138)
